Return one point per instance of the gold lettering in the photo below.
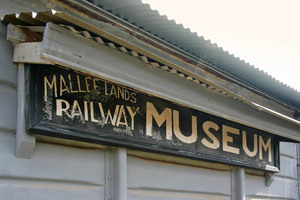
(165, 116)
(95, 84)
(60, 109)
(92, 113)
(121, 93)
(133, 98)
(86, 114)
(190, 139)
(132, 114)
(227, 139)
(63, 83)
(71, 86)
(122, 113)
(113, 91)
(105, 88)
(215, 144)
(127, 95)
(266, 146)
(87, 85)
(76, 111)
(51, 85)
(112, 119)
(245, 147)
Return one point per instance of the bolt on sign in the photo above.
(68, 104)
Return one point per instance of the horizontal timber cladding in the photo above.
(53, 172)
(67, 104)
(149, 179)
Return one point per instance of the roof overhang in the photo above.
(271, 114)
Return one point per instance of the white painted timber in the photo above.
(172, 195)
(116, 174)
(285, 183)
(8, 71)
(24, 143)
(8, 112)
(61, 172)
(162, 180)
(28, 53)
(288, 167)
(281, 188)
(53, 172)
(15, 34)
(238, 183)
(269, 178)
(116, 31)
(63, 47)
(120, 174)
(19, 190)
(288, 160)
(288, 149)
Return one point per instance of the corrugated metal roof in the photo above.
(142, 16)
(121, 33)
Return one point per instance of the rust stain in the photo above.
(32, 36)
(76, 7)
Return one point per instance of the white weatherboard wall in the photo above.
(53, 171)
(61, 172)
(285, 184)
(161, 180)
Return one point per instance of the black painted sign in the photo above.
(67, 104)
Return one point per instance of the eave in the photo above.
(100, 22)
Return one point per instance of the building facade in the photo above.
(97, 97)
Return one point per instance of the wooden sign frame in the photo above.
(64, 103)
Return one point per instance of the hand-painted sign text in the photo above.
(81, 107)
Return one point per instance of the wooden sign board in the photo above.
(67, 104)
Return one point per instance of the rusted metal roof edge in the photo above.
(141, 15)
(106, 25)
(121, 32)
(61, 56)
